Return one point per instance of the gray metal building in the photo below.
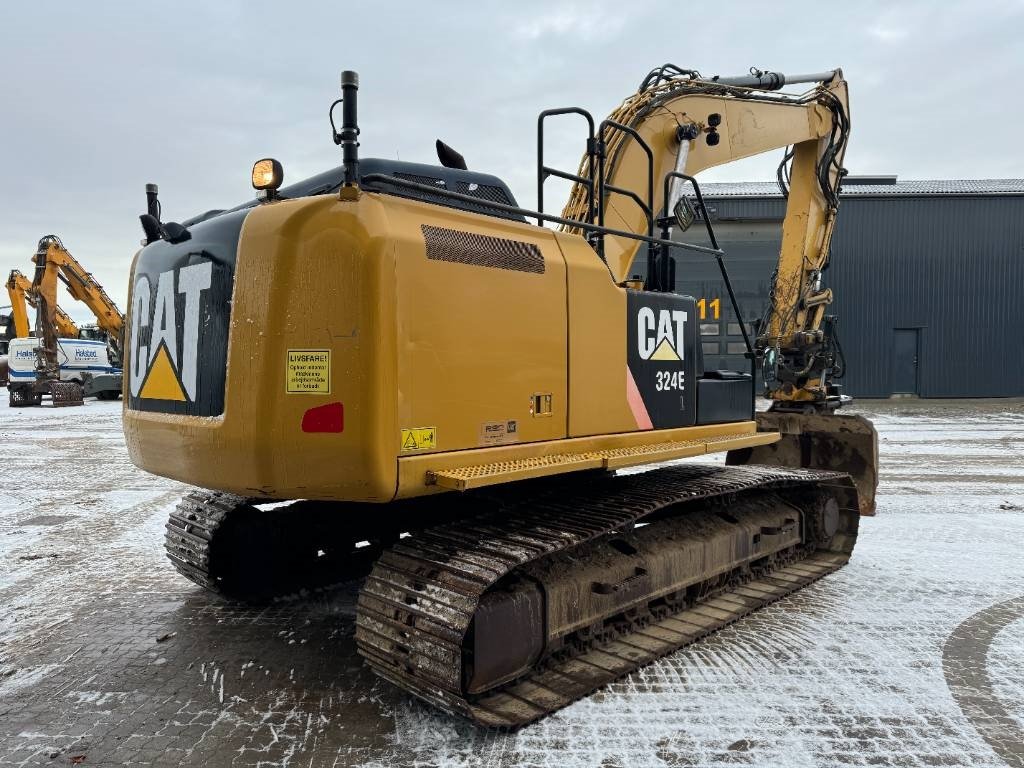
(928, 278)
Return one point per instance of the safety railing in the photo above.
(666, 263)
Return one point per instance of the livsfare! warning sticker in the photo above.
(419, 438)
(308, 372)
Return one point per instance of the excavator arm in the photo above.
(19, 288)
(681, 122)
(66, 327)
(54, 263)
(44, 288)
(81, 284)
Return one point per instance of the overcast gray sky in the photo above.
(99, 98)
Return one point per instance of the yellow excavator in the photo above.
(445, 389)
(55, 263)
(94, 373)
(15, 325)
(19, 289)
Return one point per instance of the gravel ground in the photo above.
(912, 655)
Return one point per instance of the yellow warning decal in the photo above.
(308, 372)
(419, 438)
(161, 382)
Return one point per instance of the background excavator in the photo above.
(446, 390)
(66, 371)
(19, 289)
(15, 324)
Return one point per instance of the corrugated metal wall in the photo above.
(951, 267)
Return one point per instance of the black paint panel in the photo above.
(214, 241)
(654, 324)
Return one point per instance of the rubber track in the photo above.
(265, 554)
(417, 603)
(190, 528)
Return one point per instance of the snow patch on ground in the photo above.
(848, 671)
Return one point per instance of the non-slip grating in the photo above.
(510, 470)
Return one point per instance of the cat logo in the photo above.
(660, 337)
(165, 367)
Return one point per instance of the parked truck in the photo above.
(83, 362)
(66, 372)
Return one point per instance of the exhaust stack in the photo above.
(348, 137)
(152, 201)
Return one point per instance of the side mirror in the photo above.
(175, 232)
(684, 212)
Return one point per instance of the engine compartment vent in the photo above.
(453, 245)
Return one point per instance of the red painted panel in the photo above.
(324, 418)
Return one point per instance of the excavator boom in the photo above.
(796, 343)
(52, 255)
(19, 288)
(667, 120)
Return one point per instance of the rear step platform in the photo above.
(511, 470)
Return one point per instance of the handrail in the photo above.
(638, 200)
(544, 171)
(383, 178)
(700, 201)
(718, 253)
(603, 186)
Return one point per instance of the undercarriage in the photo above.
(505, 605)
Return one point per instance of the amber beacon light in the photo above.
(267, 175)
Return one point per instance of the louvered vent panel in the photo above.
(481, 250)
